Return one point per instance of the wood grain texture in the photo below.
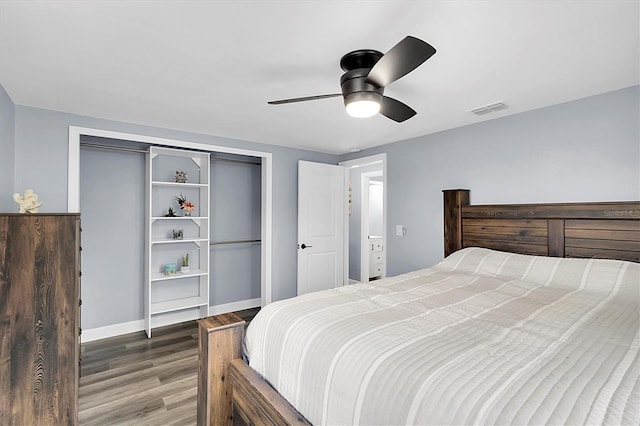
(5, 324)
(526, 236)
(454, 200)
(609, 230)
(256, 402)
(220, 342)
(556, 235)
(229, 391)
(39, 320)
(609, 211)
(132, 380)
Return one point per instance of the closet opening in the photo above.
(110, 193)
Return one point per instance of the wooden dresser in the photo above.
(39, 318)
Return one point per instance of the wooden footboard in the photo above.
(256, 402)
(219, 342)
(229, 391)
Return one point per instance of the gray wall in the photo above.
(7, 137)
(41, 164)
(585, 150)
(235, 215)
(112, 193)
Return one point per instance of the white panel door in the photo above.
(321, 204)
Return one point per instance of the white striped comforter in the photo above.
(484, 337)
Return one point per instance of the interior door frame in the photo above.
(73, 186)
(364, 246)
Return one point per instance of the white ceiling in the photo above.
(211, 66)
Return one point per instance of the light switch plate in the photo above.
(401, 231)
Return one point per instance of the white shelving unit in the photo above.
(183, 296)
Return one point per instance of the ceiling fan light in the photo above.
(363, 109)
(362, 104)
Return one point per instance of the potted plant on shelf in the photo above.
(185, 264)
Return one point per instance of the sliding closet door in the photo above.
(235, 190)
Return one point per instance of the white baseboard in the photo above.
(235, 306)
(132, 326)
(111, 330)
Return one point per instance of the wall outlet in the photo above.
(401, 231)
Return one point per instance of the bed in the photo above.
(510, 328)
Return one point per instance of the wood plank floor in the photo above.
(130, 379)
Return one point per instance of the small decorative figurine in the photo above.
(181, 177)
(185, 205)
(27, 203)
(170, 213)
(177, 234)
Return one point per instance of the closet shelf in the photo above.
(160, 276)
(179, 218)
(216, 243)
(173, 241)
(177, 184)
(177, 305)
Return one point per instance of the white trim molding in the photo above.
(111, 331)
(234, 306)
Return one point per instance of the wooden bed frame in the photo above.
(590, 230)
(230, 392)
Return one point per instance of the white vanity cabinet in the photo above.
(376, 253)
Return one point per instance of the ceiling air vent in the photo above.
(486, 109)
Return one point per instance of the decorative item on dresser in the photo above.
(27, 203)
(39, 318)
(230, 391)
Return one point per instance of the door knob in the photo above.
(304, 246)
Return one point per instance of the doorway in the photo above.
(365, 224)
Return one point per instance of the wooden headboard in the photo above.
(608, 230)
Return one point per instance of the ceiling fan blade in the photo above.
(400, 60)
(395, 110)
(306, 98)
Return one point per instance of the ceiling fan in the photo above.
(368, 72)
